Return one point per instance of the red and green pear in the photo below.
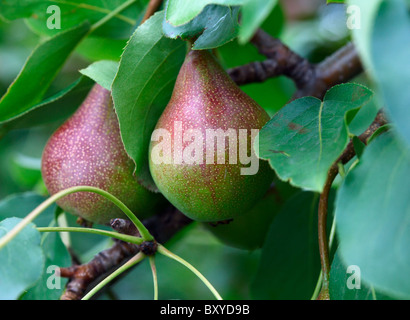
(87, 150)
(203, 183)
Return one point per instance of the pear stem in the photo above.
(323, 242)
(320, 279)
(154, 276)
(116, 235)
(111, 15)
(153, 5)
(133, 261)
(161, 249)
(145, 235)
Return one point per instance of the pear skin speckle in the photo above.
(87, 150)
(204, 97)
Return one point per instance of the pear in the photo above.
(248, 231)
(87, 150)
(202, 155)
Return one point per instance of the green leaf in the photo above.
(382, 41)
(56, 254)
(180, 12)
(363, 13)
(359, 146)
(57, 107)
(254, 12)
(390, 51)
(379, 131)
(103, 72)
(73, 13)
(143, 86)
(306, 136)
(39, 71)
(290, 262)
(215, 25)
(215, 22)
(372, 215)
(26, 170)
(50, 286)
(22, 260)
(364, 118)
(346, 284)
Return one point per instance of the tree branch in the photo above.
(162, 227)
(340, 67)
(310, 79)
(281, 61)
